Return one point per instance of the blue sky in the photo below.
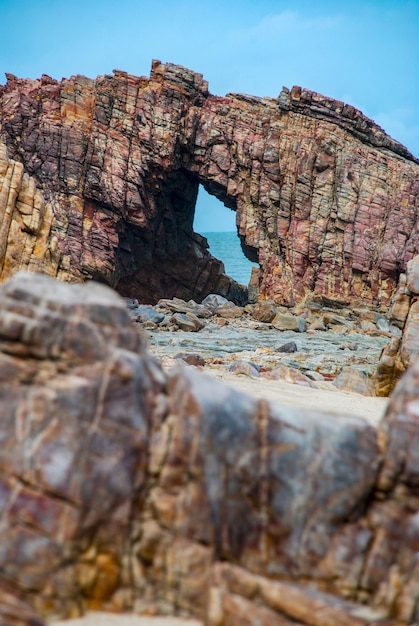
(365, 53)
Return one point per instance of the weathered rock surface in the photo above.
(122, 487)
(403, 348)
(330, 343)
(99, 179)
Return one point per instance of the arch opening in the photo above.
(218, 225)
(169, 259)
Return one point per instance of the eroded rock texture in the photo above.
(122, 487)
(100, 179)
(401, 351)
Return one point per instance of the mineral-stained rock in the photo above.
(264, 312)
(383, 325)
(253, 286)
(244, 367)
(213, 301)
(99, 178)
(144, 314)
(74, 428)
(123, 487)
(288, 347)
(187, 321)
(401, 351)
(190, 358)
(350, 379)
(289, 375)
(283, 321)
(229, 309)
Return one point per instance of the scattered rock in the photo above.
(131, 303)
(244, 367)
(228, 310)
(289, 375)
(316, 376)
(264, 312)
(213, 301)
(318, 325)
(289, 322)
(221, 321)
(354, 381)
(191, 358)
(288, 347)
(187, 322)
(199, 310)
(144, 314)
(412, 275)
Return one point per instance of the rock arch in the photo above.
(325, 200)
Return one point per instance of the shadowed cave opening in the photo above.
(170, 257)
(217, 223)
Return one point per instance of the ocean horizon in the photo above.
(226, 247)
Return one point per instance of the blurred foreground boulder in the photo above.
(126, 488)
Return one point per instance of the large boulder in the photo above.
(126, 488)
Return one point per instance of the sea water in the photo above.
(226, 247)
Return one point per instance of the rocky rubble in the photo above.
(99, 179)
(123, 487)
(297, 345)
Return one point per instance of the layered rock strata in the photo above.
(401, 351)
(100, 178)
(126, 488)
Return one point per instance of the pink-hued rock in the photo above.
(264, 312)
(100, 178)
(412, 273)
(289, 375)
(126, 488)
(354, 381)
(401, 352)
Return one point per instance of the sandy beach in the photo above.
(325, 398)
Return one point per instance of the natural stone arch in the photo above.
(127, 222)
(169, 259)
(326, 202)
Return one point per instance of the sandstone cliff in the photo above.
(122, 487)
(99, 179)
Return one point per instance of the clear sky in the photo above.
(363, 52)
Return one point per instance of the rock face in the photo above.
(122, 487)
(403, 350)
(100, 178)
